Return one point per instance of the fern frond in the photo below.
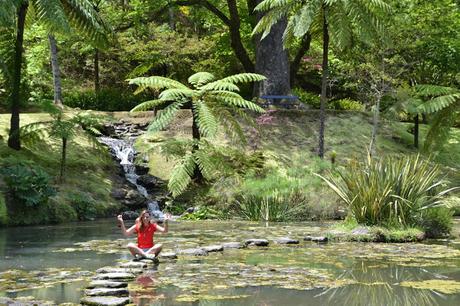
(305, 17)
(51, 13)
(200, 78)
(438, 103)
(267, 5)
(220, 85)
(157, 82)
(203, 161)
(231, 126)
(270, 18)
(147, 105)
(165, 117)
(206, 121)
(440, 128)
(176, 94)
(427, 90)
(243, 78)
(34, 133)
(182, 175)
(233, 99)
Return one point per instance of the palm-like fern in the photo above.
(443, 103)
(211, 102)
(59, 16)
(341, 21)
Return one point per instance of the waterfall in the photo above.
(125, 153)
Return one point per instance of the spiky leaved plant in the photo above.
(340, 21)
(211, 102)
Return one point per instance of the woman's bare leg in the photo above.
(134, 249)
(156, 249)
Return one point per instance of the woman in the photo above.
(145, 227)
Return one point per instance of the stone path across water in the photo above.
(110, 284)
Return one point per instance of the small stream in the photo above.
(54, 262)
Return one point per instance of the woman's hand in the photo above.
(120, 218)
(167, 217)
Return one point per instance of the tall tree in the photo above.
(55, 69)
(58, 16)
(341, 21)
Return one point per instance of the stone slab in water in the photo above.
(106, 284)
(286, 240)
(233, 245)
(168, 255)
(107, 292)
(319, 239)
(105, 301)
(125, 269)
(193, 252)
(134, 265)
(115, 276)
(257, 242)
(213, 248)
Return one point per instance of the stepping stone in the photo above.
(233, 245)
(213, 248)
(307, 238)
(257, 242)
(117, 270)
(286, 240)
(105, 301)
(168, 255)
(106, 284)
(319, 239)
(115, 276)
(193, 252)
(107, 292)
(133, 265)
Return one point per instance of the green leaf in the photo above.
(182, 175)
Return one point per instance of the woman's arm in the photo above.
(164, 229)
(124, 231)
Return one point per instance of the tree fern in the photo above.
(206, 121)
(176, 94)
(200, 78)
(156, 82)
(165, 117)
(148, 105)
(182, 174)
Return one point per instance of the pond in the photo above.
(55, 263)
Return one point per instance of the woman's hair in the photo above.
(140, 220)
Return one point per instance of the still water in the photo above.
(54, 263)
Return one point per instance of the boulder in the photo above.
(130, 215)
(193, 252)
(115, 276)
(257, 242)
(168, 255)
(118, 193)
(142, 169)
(213, 248)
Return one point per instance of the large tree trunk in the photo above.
(56, 72)
(322, 112)
(14, 141)
(272, 61)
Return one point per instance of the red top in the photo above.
(145, 237)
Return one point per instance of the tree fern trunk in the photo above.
(322, 112)
(197, 175)
(63, 157)
(56, 72)
(14, 141)
(416, 132)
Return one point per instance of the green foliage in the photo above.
(436, 222)
(389, 191)
(307, 97)
(209, 100)
(347, 104)
(107, 99)
(273, 207)
(202, 213)
(28, 185)
(3, 211)
(83, 204)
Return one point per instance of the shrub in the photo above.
(307, 97)
(273, 207)
(436, 222)
(202, 213)
(61, 211)
(3, 211)
(84, 205)
(109, 99)
(347, 104)
(27, 185)
(391, 191)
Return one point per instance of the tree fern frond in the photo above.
(234, 99)
(231, 127)
(147, 105)
(220, 85)
(200, 78)
(157, 82)
(438, 103)
(165, 117)
(176, 94)
(305, 17)
(440, 127)
(206, 121)
(182, 175)
(268, 21)
(267, 5)
(8, 12)
(203, 162)
(51, 13)
(243, 78)
(427, 90)
(34, 133)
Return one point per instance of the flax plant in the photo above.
(391, 191)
